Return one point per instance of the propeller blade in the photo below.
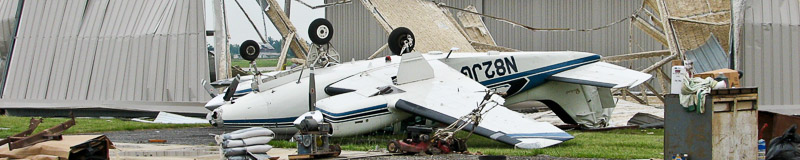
(312, 93)
(231, 89)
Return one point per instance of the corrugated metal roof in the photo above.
(708, 57)
(110, 50)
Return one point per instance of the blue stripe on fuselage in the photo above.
(243, 91)
(538, 76)
(274, 120)
(353, 111)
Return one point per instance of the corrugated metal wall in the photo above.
(771, 56)
(356, 40)
(109, 50)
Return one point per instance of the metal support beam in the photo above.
(53, 133)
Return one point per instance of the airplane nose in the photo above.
(215, 118)
(215, 103)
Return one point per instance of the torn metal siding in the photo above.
(9, 12)
(708, 57)
(110, 50)
(771, 52)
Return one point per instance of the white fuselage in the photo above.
(361, 111)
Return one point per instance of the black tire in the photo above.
(249, 50)
(393, 147)
(320, 31)
(398, 38)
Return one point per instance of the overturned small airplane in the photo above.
(363, 96)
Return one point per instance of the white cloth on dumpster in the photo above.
(694, 91)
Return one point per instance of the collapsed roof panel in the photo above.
(434, 30)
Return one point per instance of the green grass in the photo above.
(82, 125)
(616, 144)
(259, 62)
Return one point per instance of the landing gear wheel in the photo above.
(393, 147)
(398, 38)
(249, 50)
(320, 31)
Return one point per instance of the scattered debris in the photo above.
(785, 147)
(645, 120)
(69, 147)
(171, 118)
(157, 140)
(24, 139)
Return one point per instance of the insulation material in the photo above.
(692, 35)
(431, 27)
(109, 51)
(474, 27)
(687, 8)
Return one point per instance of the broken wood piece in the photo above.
(634, 56)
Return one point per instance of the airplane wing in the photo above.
(449, 95)
(602, 74)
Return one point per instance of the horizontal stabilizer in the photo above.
(602, 74)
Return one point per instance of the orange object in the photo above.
(733, 76)
(157, 140)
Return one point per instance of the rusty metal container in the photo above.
(726, 130)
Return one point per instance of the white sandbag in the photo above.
(245, 142)
(257, 149)
(255, 132)
(239, 157)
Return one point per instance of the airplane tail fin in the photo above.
(413, 67)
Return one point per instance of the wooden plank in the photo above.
(626, 92)
(658, 95)
(281, 22)
(634, 56)
(659, 63)
(487, 47)
(650, 30)
(379, 51)
(284, 51)
(377, 15)
(669, 31)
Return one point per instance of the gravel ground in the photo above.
(185, 136)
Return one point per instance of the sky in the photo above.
(240, 29)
